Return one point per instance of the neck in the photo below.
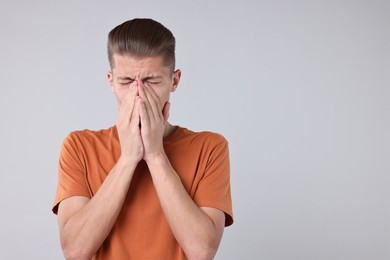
(168, 129)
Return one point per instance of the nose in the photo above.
(137, 84)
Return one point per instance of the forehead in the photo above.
(125, 64)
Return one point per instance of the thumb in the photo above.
(135, 116)
(165, 110)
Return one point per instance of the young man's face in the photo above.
(146, 71)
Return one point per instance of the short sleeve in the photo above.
(71, 172)
(214, 188)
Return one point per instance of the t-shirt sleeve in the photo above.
(71, 172)
(214, 188)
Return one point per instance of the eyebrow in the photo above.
(143, 79)
(125, 78)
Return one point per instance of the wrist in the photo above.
(156, 159)
(127, 162)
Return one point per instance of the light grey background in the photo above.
(299, 88)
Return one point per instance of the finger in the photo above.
(126, 105)
(122, 108)
(154, 96)
(154, 102)
(135, 116)
(144, 116)
(147, 101)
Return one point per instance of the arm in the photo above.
(197, 230)
(85, 223)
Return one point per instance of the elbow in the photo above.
(76, 256)
(202, 252)
(73, 255)
(73, 251)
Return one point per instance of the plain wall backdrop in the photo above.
(299, 88)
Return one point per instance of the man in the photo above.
(143, 189)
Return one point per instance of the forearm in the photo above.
(84, 232)
(192, 227)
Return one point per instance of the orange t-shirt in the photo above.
(141, 231)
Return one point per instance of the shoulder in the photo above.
(88, 134)
(79, 138)
(202, 136)
(201, 139)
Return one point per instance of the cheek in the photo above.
(118, 103)
(162, 94)
(164, 97)
(119, 97)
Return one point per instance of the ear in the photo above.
(110, 79)
(176, 79)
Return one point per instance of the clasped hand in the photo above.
(141, 122)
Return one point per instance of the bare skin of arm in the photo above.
(197, 230)
(85, 223)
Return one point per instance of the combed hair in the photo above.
(140, 38)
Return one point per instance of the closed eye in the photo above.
(124, 84)
(125, 81)
(151, 82)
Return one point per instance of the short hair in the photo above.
(140, 38)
